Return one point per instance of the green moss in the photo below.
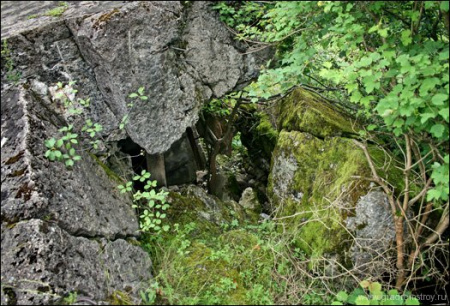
(266, 136)
(212, 272)
(185, 209)
(57, 11)
(305, 111)
(325, 177)
(120, 298)
(111, 174)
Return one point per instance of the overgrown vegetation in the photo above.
(59, 10)
(387, 63)
(245, 264)
(12, 75)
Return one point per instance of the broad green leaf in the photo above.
(437, 130)
(444, 113)
(69, 163)
(362, 300)
(383, 32)
(365, 61)
(438, 99)
(425, 117)
(428, 84)
(50, 143)
(133, 95)
(375, 286)
(406, 37)
(342, 296)
(59, 143)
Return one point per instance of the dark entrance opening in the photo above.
(138, 160)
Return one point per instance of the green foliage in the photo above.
(11, 74)
(389, 58)
(61, 149)
(151, 204)
(58, 11)
(371, 293)
(64, 148)
(70, 299)
(139, 94)
(240, 13)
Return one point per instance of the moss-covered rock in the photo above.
(305, 111)
(313, 178)
(317, 174)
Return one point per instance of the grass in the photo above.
(57, 11)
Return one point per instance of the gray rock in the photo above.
(374, 230)
(249, 199)
(83, 201)
(42, 262)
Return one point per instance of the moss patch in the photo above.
(305, 111)
(324, 179)
(111, 174)
(220, 270)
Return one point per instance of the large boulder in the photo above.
(182, 55)
(53, 216)
(317, 183)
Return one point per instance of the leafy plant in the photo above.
(64, 147)
(387, 63)
(70, 299)
(61, 149)
(151, 204)
(371, 293)
(11, 74)
(139, 94)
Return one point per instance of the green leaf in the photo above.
(428, 84)
(412, 300)
(438, 99)
(406, 37)
(362, 300)
(336, 303)
(437, 130)
(50, 143)
(342, 296)
(365, 61)
(426, 116)
(141, 90)
(444, 6)
(383, 32)
(133, 95)
(444, 113)
(69, 163)
(143, 98)
(77, 157)
(57, 154)
(375, 286)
